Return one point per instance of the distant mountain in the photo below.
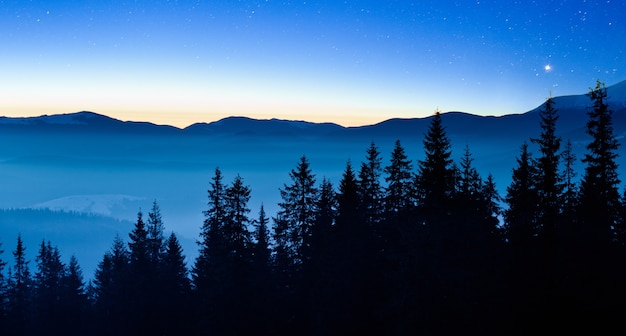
(572, 111)
(81, 122)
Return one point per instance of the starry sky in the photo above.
(349, 62)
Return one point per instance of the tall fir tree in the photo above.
(48, 288)
(139, 247)
(297, 212)
(174, 308)
(569, 196)
(142, 280)
(348, 199)
(356, 250)
(599, 196)
(235, 229)
(435, 181)
(20, 290)
(549, 182)
(156, 239)
(294, 226)
(74, 300)
(261, 249)
(399, 189)
(112, 289)
(212, 244)
(370, 190)
(522, 199)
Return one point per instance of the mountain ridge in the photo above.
(571, 109)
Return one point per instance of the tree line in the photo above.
(407, 247)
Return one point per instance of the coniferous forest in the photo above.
(404, 247)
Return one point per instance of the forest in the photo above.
(425, 247)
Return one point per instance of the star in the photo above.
(547, 68)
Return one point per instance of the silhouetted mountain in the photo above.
(242, 126)
(81, 122)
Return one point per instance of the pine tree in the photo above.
(549, 183)
(156, 240)
(235, 227)
(436, 176)
(356, 252)
(469, 181)
(297, 213)
(212, 244)
(142, 281)
(139, 248)
(569, 196)
(522, 199)
(261, 248)
(112, 290)
(492, 199)
(348, 199)
(293, 229)
(20, 291)
(599, 197)
(73, 300)
(370, 191)
(175, 268)
(48, 287)
(263, 293)
(174, 310)
(399, 183)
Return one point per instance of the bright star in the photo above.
(547, 68)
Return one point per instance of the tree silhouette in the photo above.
(48, 287)
(370, 191)
(599, 197)
(436, 176)
(522, 199)
(20, 291)
(156, 240)
(399, 183)
(549, 183)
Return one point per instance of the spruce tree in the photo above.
(348, 199)
(261, 250)
(294, 226)
(370, 190)
(399, 183)
(549, 183)
(73, 300)
(356, 252)
(297, 213)
(569, 196)
(139, 248)
(435, 181)
(156, 240)
(20, 291)
(174, 267)
(262, 285)
(48, 287)
(522, 199)
(599, 197)
(212, 244)
(112, 290)
(174, 309)
(235, 229)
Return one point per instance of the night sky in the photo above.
(349, 62)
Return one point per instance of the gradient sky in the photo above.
(349, 62)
